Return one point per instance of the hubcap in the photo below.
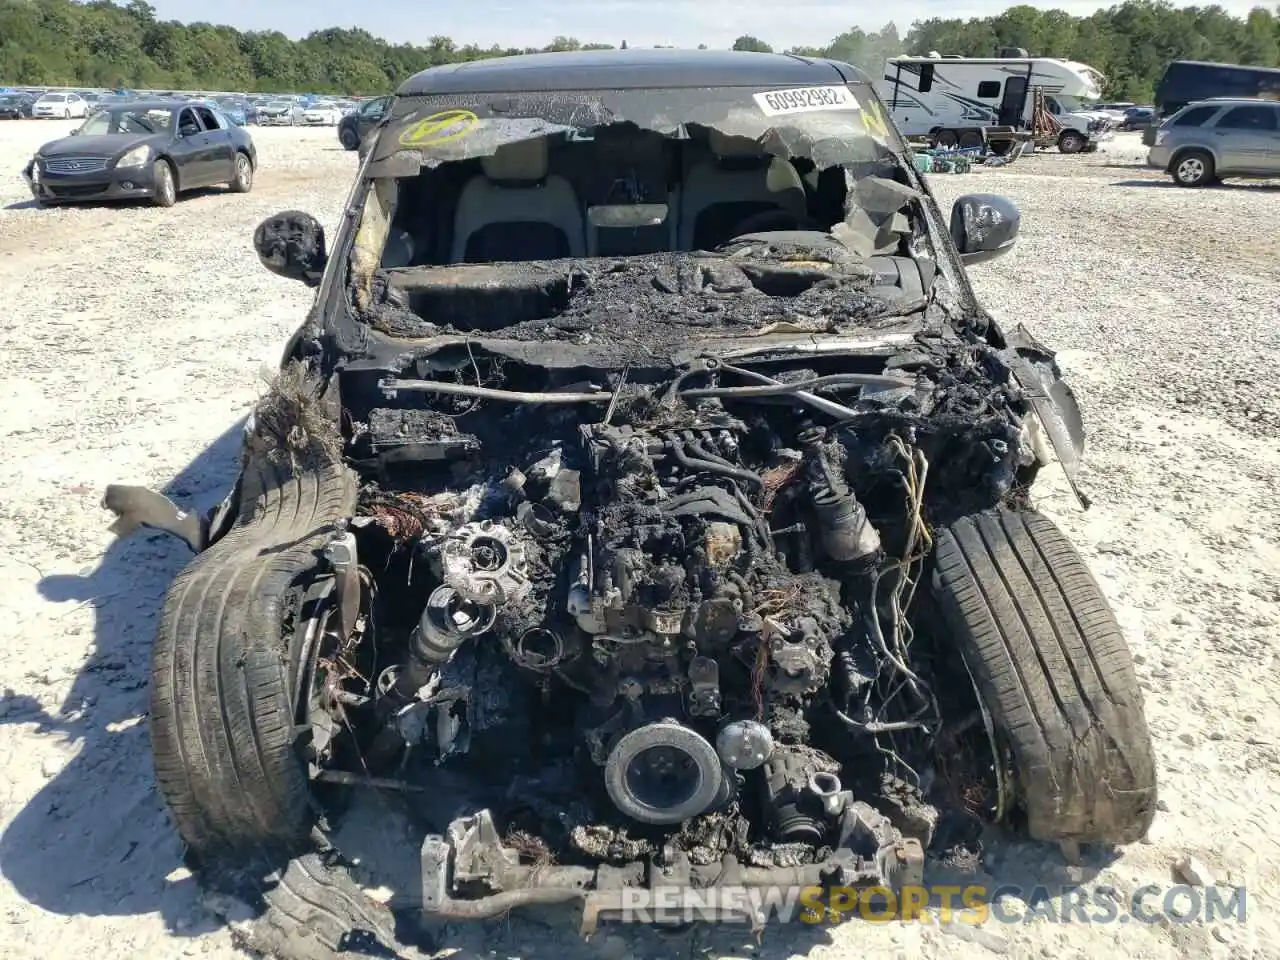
(1191, 169)
(242, 170)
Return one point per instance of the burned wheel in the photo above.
(223, 726)
(1053, 673)
(229, 672)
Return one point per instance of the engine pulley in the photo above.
(663, 773)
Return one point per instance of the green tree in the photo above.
(107, 43)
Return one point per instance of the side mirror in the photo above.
(291, 244)
(984, 226)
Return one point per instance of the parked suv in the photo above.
(1225, 137)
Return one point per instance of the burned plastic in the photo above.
(292, 245)
(626, 600)
(984, 226)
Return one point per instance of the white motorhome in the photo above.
(928, 94)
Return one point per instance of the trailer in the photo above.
(966, 101)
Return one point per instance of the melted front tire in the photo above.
(222, 718)
(1053, 670)
(311, 910)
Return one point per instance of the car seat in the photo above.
(514, 210)
(736, 182)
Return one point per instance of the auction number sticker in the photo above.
(439, 128)
(775, 103)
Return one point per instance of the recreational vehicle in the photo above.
(936, 93)
(1191, 81)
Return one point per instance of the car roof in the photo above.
(155, 104)
(1231, 66)
(1235, 101)
(628, 70)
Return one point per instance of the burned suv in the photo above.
(646, 500)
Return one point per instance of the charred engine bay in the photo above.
(659, 605)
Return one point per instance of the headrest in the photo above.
(726, 147)
(522, 160)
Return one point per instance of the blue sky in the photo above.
(639, 22)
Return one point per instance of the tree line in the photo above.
(107, 44)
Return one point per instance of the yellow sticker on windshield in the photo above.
(439, 128)
(873, 119)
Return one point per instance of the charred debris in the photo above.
(630, 578)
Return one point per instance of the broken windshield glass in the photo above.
(544, 215)
(832, 126)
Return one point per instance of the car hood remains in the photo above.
(780, 288)
(104, 145)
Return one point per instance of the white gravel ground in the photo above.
(134, 340)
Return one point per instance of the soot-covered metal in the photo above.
(630, 592)
(646, 499)
(647, 549)
(655, 304)
(648, 531)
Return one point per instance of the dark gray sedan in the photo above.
(144, 150)
(15, 106)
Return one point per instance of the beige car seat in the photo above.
(740, 177)
(538, 214)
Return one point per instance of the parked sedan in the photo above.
(57, 104)
(322, 113)
(1138, 118)
(146, 150)
(280, 113)
(15, 106)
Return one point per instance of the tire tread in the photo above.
(1052, 666)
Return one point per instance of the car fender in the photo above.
(1181, 148)
(1052, 401)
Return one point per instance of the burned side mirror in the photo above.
(291, 244)
(984, 226)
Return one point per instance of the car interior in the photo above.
(188, 126)
(616, 190)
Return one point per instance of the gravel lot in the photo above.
(135, 340)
